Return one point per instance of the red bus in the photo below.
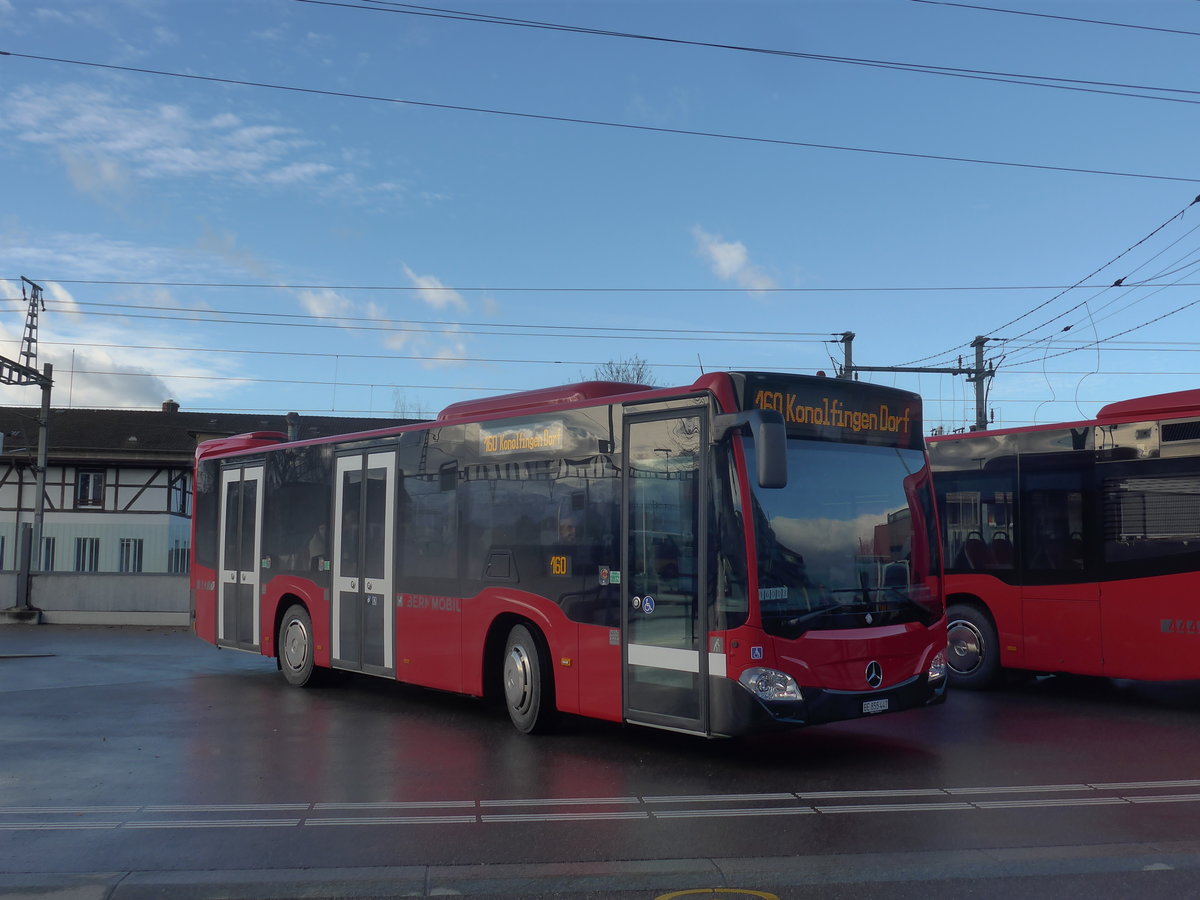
(1075, 548)
(745, 551)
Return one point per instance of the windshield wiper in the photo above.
(793, 621)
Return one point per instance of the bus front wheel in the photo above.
(296, 647)
(973, 651)
(528, 691)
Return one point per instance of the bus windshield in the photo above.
(834, 548)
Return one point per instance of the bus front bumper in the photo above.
(736, 710)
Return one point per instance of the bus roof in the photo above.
(1174, 405)
(539, 399)
(1157, 406)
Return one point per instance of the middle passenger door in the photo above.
(1060, 598)
(363, 550)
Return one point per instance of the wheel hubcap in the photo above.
(965, 646)
(517, 678)
(295, 645)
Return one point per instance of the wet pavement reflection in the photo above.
(145, 749)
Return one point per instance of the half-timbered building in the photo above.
(118, 483)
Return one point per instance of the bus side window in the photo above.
(1054, 530)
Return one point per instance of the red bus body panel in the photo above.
(1162, 644)
(1143, 628)
(204, 602)
(837, 660)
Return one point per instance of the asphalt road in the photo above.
(141, 762)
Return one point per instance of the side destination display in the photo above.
(835, 410)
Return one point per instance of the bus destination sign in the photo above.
(521, 439)
(828, 408)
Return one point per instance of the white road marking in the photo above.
(751, 811)
(231, 808)
(217, 823)
(718, 798)
(849, 795)
(1022, 789)
(57, 826)
(591, 809)
(1135, 785)
(395, 820)
(1051, 801)
(565, 817)
(66, 810)
(1173, 798)
(563, 801)
(402, 804)
(896, 807)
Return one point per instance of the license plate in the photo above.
(874, 706)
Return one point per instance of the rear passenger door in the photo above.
(241, 554)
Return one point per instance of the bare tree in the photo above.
(406, 408)
(634, 370)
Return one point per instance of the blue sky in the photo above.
(214, 242)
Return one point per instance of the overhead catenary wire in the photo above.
(1130, 330)
(552, 330)
(1121, 283)
(335, 322)
(363, 356)
(1123, 289)
(576, 120)
(1023, 79)
(1022, 12)
(1063, 291)
(578, 289)
(390, 385)
(1141, 347)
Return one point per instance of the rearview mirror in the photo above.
(770, 442)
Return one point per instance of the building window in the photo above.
(131, 555)
(87, 554)
(48, 544)
(177, 560)
(89, 488)
(2, 549)
(177, 495)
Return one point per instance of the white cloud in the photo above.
(59, 297)
(106, 142)
(89, 345)
(730, 261)
(325, 303)
(433, 292)
(89, 374)
(96, 177)
(92, 256)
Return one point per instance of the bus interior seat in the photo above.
(895, 574)
(1002, 550)
(976, 552)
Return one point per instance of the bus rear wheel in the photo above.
(528, 690)
(296, 647)
(973, 651)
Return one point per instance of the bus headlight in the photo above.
(770, 684)
(937, 666)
